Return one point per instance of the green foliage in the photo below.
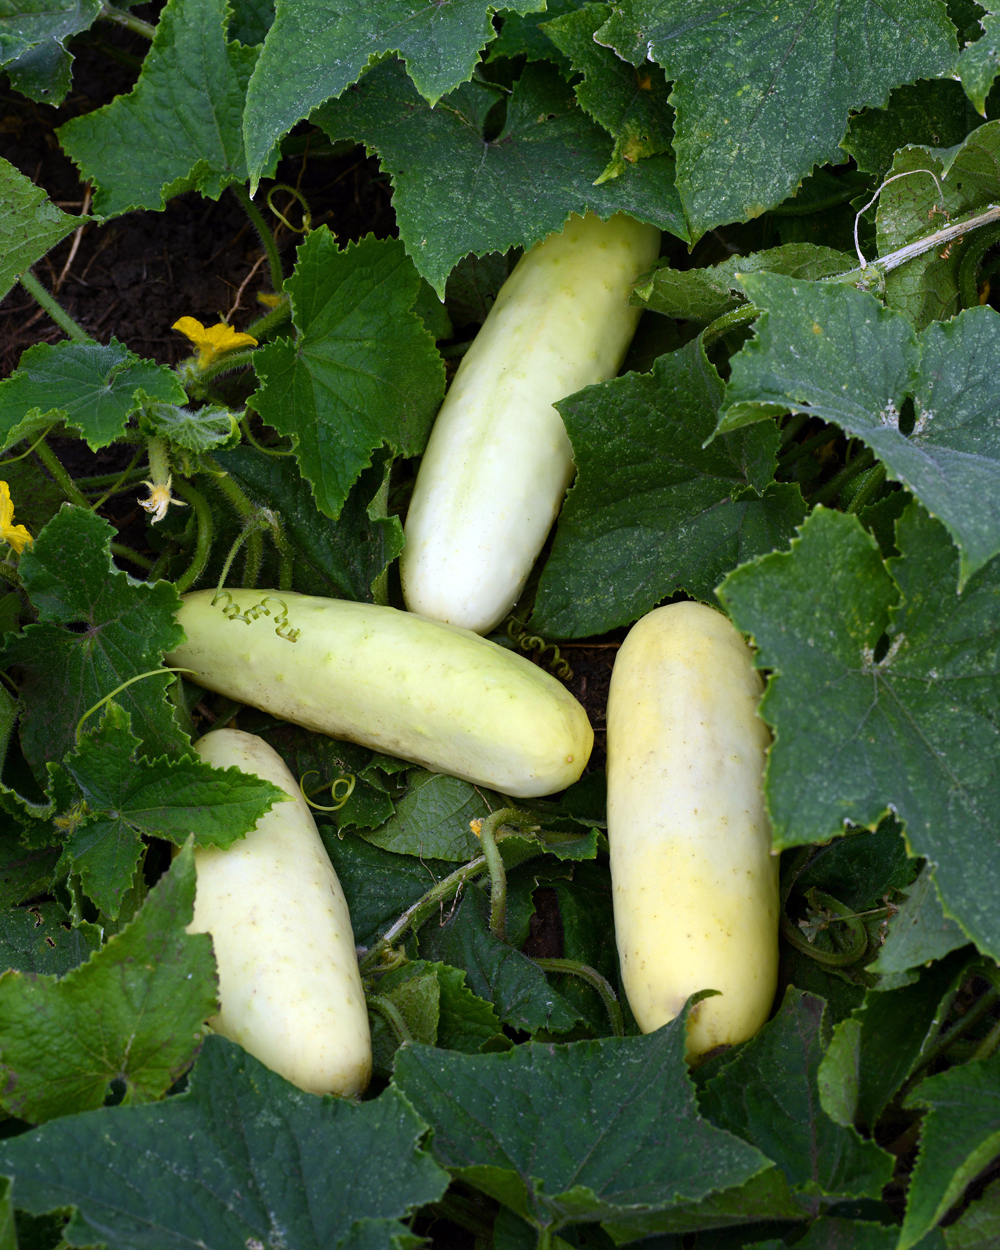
(183, 120)
(30, 223)
(155, 984)
(133, 1186)
(363, 370)
(810, 441)
(459, 191)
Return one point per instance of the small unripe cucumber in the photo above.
(695, 885)
(289, 986)
(417, 689)
(498, 461)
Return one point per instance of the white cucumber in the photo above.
(695, 885)
(289, 986)
(417, 689)
(498, 462)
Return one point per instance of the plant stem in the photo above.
(794, 454)
(971, 1018)
(266, 236)
(127, 553)
(135, 24)
(874, 479)
(736, 319)
(286, 562)
(63, 480)
(446, 888)
(263, 326)
(594, 979)
(498, 875)
(837, 483)
(116, 485)
(226, 364)
(203, 540)
(55, 310)
(791, 428)
(391, 1014)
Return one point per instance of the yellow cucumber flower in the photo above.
(160, 499)
(16, 535)
(212, 341)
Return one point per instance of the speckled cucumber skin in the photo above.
(289, 986)
(695, 885)
(417, 689)
(498, 462)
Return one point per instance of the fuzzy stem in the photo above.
(847, 474)
(225, 364)
(116, 485)
(55, 310)
(203, 541)
(498, 875)
(734, 320)
(62, 479)
(391, 1014)
(266, 236)
(264, 326)
(126, 553)
(875, 478)
(596, 981)
(135, 24)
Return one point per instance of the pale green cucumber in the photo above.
(695, 885)
(498, 461)
(289, 988)
(417, 689)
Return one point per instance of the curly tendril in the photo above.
(533, 642)
(231, 611)
(349, 781)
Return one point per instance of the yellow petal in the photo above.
(17, 536)
(6, 506)
(212, 341)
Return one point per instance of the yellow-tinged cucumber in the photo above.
(289, 986)
(417, 689)
(498, 461)
(695, 885)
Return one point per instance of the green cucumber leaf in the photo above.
(979, 62)
(769, 1095)
(92, 387)
(652, 510)
(40, 939)
(432, 818)
(919, 932)
(704, 294)
(200, 429)
(915, 730)
(362, 371)
(314, 51)
(342, 560)
(598, 1129)
(127, 799)
(631, 104)
(30, 224)
(743, 140)
(455, 191)
(25, 873)
(525, 34)
(180, 129)
(838, 354)
(876, 1049)
(97, 627)
(243, 1132)
(935, 114)
(496, 972)
(134, 1012)
(251, 20)
(959, 1137)
(764, 1200)
(33, 37)
(834, 1233)
(978, 1227)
